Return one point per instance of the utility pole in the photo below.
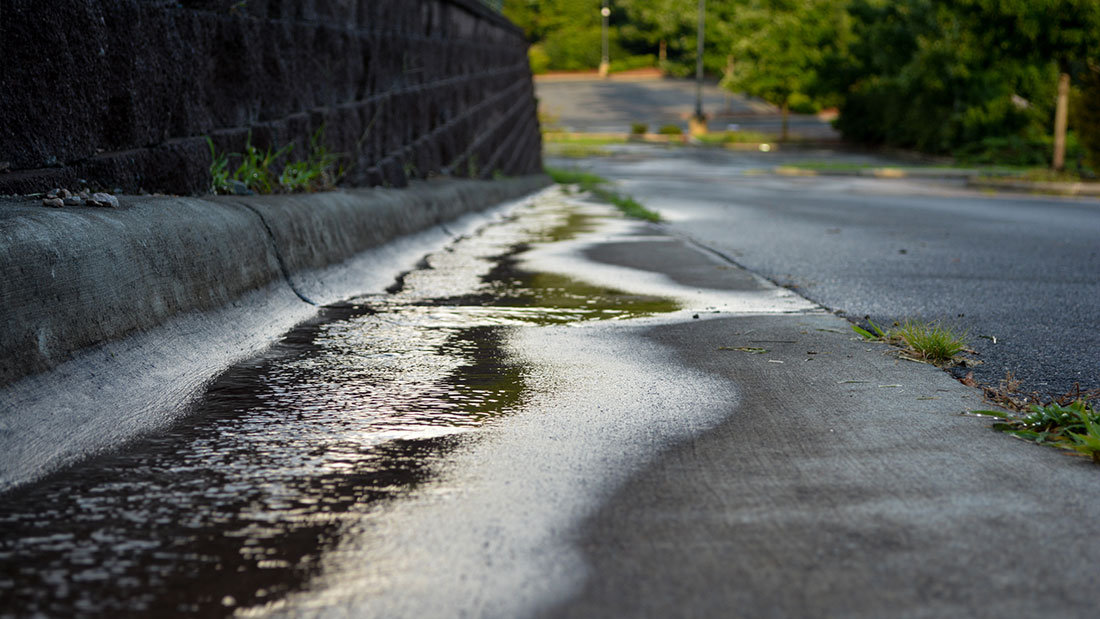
(605, 59)
(698, 124)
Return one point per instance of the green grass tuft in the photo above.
(594, 184)
(935, 342)
(930, 341)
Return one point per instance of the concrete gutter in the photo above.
(115, 319)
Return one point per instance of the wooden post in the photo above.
(1061, 114)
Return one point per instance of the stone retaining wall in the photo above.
(121, 95)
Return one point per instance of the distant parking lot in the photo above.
(585, 104)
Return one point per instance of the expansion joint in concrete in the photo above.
(278, 255)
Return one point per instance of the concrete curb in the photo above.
(1062, 189)
(973, 178)
(884, 172)
(115, 319)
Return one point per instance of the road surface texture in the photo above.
(755, 461)
(612, 106)
(1021, 274)
(569, 414)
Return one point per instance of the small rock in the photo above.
(52, 193)
(239, 188)
(74, 201)
(64, 193)
(104, 199)
(55, 202)
(5, 166)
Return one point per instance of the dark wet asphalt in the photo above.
(1022, 269)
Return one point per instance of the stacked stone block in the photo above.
(122, 95)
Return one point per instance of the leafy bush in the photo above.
(539, 59)
(1019, 151)
(671, 130)
(628, 63)
(573, 49)
(1085, 118)
(638, 128)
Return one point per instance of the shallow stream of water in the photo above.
(236, 505)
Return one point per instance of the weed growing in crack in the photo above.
(927, 341)
(1073, 427)
(595, 185)
(932, 341)
(875, 334)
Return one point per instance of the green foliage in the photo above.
(628, 205)
(586, 180)
(638, 128)
(1085, 116)
(1016, 150)
(780, 47)
(734, 137)
(257, 169)
(930, 341)
(573, 49)
(594, 184)
(319, 171)
(671, 130)
(1074, 427)
(539, 59)
(874, 334)
(259, 172)
(946, 75)
(975, 78)
(628, 63)
(219, 170)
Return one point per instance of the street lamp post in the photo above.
(698, 123)
(605, 59)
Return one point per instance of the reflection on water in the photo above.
(235, 505)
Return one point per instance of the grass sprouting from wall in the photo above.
(260, 171)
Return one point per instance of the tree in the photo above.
(778, 47)
(1062, 32)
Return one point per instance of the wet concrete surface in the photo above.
(241, 503)
(565, 414)
(843, 483)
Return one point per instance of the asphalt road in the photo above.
(1020, 274)
(588, 105)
